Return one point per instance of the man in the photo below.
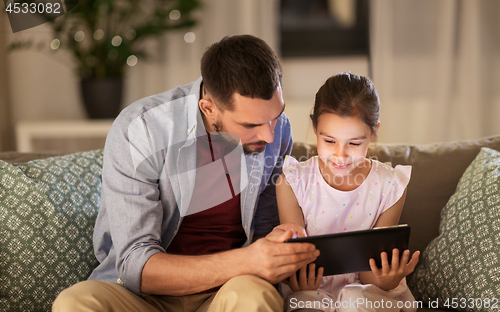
(167, 236)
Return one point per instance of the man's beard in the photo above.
(248, 148)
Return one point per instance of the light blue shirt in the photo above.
(148, 182)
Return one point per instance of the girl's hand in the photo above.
(306, 281)
(389, 276)
(282, 228)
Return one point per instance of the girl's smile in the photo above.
(339, 166)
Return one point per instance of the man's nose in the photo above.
(266, 133)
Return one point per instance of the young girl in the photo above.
(342, 190)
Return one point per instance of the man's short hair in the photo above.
(244, 64)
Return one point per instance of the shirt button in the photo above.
(119, 281)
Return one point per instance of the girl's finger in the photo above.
(319, 278)
(413, 263)
(405, 257)
(294, 285)
(311, 278)
(385, 263)
(303, 277)
(373, 267)
(395, 259)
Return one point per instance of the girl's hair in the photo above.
(350, 95)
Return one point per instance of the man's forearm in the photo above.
(269, 258)
(178, 275)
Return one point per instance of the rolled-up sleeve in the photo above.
(131, 198)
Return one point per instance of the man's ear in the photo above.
(208, 108)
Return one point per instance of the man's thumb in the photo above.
(285, 235)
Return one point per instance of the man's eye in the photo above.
(356, 144)
(329, 141)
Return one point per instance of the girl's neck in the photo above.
(349, 182)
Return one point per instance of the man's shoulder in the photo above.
(171, 99)
(283, 119)
(283, 132)
(283, 127)
(162, 118)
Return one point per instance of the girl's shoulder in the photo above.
(292, 164)
(385, 171)
(300, 175)
(299, 171)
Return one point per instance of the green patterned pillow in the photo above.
(48, 209)
(460, 268)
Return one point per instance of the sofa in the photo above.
(49, 203)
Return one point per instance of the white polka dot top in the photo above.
(328, 210)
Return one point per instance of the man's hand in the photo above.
(389, 276)
(274, 260)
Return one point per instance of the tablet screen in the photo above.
(350, 252)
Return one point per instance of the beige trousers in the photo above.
(242, 293)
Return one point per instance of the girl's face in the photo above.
(342, 143)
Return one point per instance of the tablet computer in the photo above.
(350, 252)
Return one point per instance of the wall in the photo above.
(447, 89)
(301, 80)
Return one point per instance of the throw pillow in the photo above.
(460, 269)
(48, 209)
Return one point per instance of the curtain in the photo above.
(6, 124)
(436, 66)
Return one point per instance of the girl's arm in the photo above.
(288, 206)
(390, 276)
(392, 215)
(291, 216)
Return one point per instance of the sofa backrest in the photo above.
(436, 170)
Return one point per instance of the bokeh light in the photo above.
(132, 60)
(130, 34)
(98, 34)
(190, 37)
(116, 41)
(79, 36)
(174, 15)
(55, 44)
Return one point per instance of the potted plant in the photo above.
(106, 36)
